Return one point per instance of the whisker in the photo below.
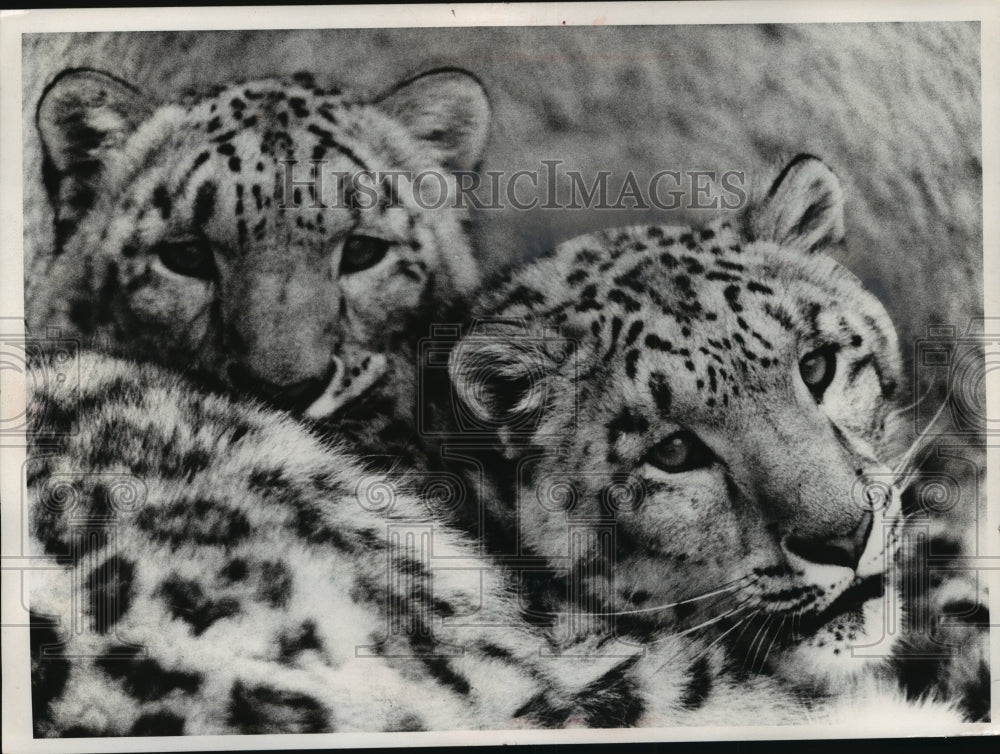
(722, 636)
(190, 323)
(749, 621)
(742, 621)
(777, 633)
(760, 644)
(757, 637)
(709, 622)
(796, 625)
(909, 407)
(919, 442)
(729, 589)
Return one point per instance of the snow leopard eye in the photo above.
(361, 252)
(681, 451)
(817, 369)
(190, 258)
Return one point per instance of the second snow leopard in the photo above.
(211, 234)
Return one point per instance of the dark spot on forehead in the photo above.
(725, 264)
(780, 315)
(633, 332)
(616, 329)
(621, 298)
(660, 390)
(631, 358)
(694, 267)
(656, 342)
(763, 341)
(732, 294)
(723, 276)
(161, 200)
(204, 203)
(759, 288)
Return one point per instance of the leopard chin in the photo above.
(837, 648)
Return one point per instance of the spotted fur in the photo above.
(196, 233)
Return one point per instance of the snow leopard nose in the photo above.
(842, 550)
(295, 396)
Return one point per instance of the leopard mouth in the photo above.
(344, 388)
(849, 603)
(784, 631)
(345, 409)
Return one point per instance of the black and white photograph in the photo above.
(556, 373)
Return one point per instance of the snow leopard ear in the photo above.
(499, 377)
(446, 108)
(84, 115)
(803, 208)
